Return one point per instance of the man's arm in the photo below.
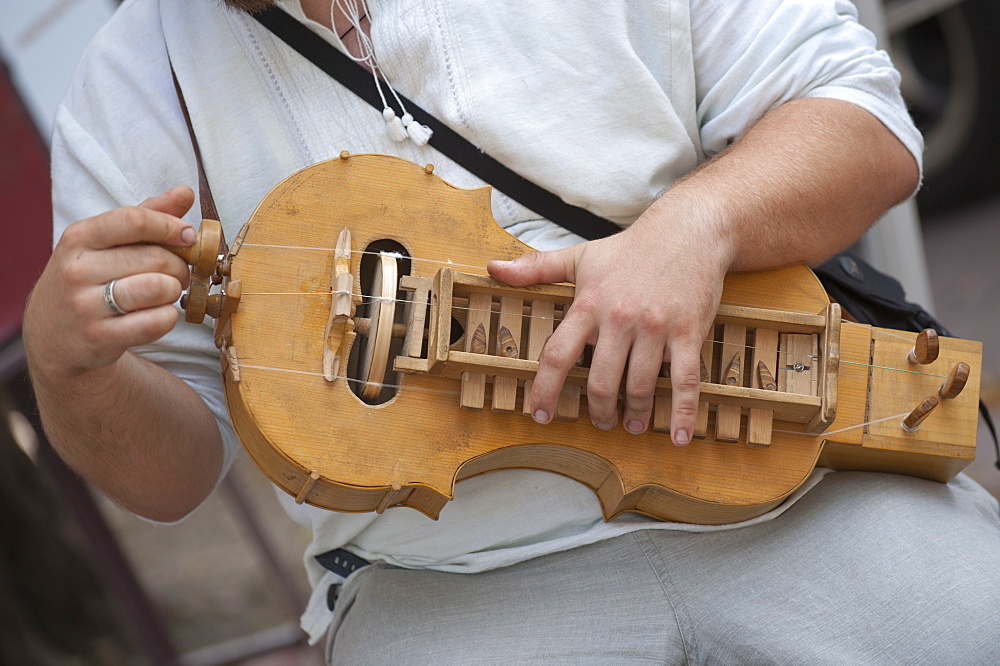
(804, 182)
(135, 430)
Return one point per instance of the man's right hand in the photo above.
(68, 326)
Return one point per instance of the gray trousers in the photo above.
(865, 569)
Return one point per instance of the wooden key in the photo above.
(416, 313)
(508, 343)
(662, 405)
(728, 417)
(701, 420)
(473, 393)
(568, 407)
(765, 356)
(540, 327)
(797, 354)
(759, 423)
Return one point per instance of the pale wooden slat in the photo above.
(477, 333)
(759, 423)
(797, 350)
(540, 327)
(508, 346)
(416, 313)
(732, 352)
(704, 407)
(828, 370)
(662, 404)
(568, 406)
(765, 354)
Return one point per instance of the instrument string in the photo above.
(374, 253)
(827, 433)
(449, 262)
(352, 380)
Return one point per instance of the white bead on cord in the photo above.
(398, 128)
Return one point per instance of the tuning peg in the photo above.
(204, 258)
(952, 386)
(203, 254)
(926, 348)
(913, 420)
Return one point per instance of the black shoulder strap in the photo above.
(359, 81)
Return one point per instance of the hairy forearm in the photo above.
(134, 430)
(805, 182)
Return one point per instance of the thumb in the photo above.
(538, 267)
(176, 201)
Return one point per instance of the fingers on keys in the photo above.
(620, 355)
(559, 354)
(685, 381)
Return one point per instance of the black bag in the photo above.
(872, 297)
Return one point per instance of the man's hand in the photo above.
(68, 320)
(132, 428)
(645, 296)
(804, 182)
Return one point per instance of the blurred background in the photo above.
(83, 582)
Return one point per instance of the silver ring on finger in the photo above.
(109, 298)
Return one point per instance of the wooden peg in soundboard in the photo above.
(951, 387)
(926, 348)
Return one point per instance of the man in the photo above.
(724, 136)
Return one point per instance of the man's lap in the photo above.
(866, 568)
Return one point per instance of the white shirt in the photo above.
(603, 103)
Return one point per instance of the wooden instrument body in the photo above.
(320, 442)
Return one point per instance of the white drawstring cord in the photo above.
(401, 127)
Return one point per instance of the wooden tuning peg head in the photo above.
(204, 258)
(203, 255)
(926, 349)
(956, 381)
(913, 420)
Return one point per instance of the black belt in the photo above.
(343, 564)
